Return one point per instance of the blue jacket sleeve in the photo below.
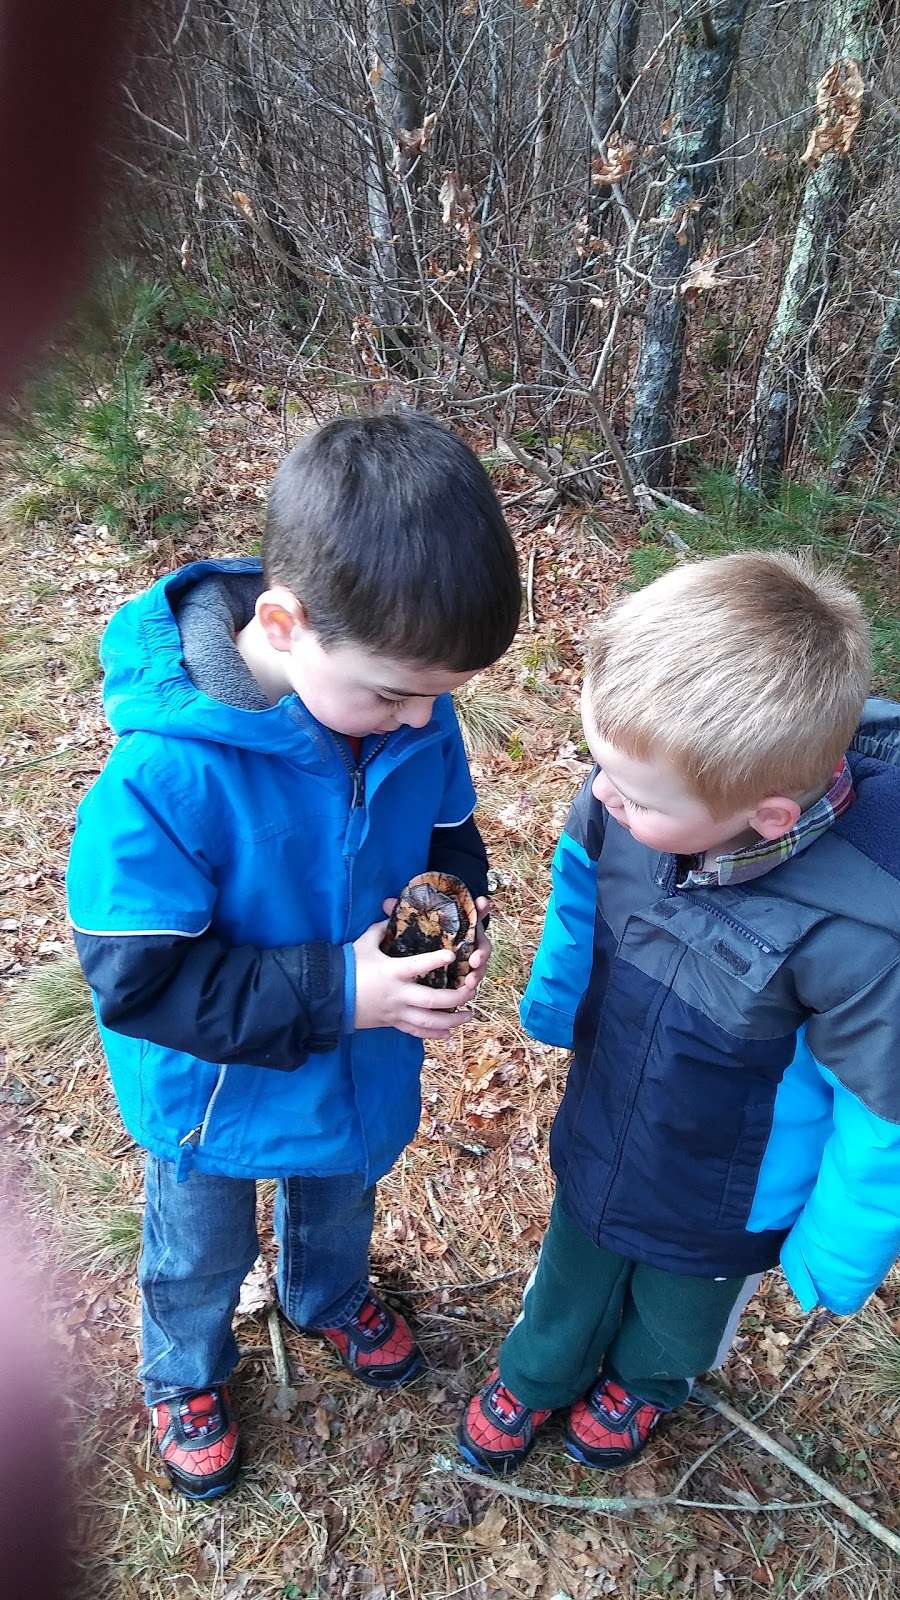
(458, 796)
(142, 898)
(847, 1236)
(562, 965)
(262, 1008)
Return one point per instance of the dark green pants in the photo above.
(588, 1308)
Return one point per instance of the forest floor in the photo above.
(344, 1494)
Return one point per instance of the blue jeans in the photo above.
(199, 1244)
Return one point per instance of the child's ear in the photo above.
(774, 816)
(280, 614)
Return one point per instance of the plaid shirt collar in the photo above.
(739, 866)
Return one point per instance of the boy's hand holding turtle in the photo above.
(390, 995)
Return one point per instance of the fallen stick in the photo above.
(529, 585)
(279, 1353)
(799, 1468)
(611, 1504)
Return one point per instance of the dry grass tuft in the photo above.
(52, 1011)
(489, 716)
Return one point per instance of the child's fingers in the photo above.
(388, 905)
(433, 1025)
(422, 999)
(408, 968)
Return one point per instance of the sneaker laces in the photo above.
(198, 1416)
(505, 1404)
(370, 1317)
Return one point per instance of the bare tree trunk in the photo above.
(391, 160)
(615, 75)
(859, 430)
(807, 280)
(252, 128)
(699, 98)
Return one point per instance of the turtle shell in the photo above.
(434, 912)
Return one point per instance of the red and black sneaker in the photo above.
(608, 1427)
(497, 1432)
(199, 1441)
(376, 1345)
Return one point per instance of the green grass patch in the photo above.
(87, 439)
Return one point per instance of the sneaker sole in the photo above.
(499, 1469)
(217, 1493)
(215, 1490)
(373, 1382)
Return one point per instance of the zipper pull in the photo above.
(184, 1160)
(358, 792)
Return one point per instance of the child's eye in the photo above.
(633, 806)
(386, 700)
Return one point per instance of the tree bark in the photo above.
(615, 75)
(252, 128)
(395, 38)
(699, 98)
(780, 384)
(859, 430)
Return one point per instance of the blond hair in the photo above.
(746, 672)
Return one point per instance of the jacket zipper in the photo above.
(197, 1136)
(672, 892)
(357, 770)
(731, 922)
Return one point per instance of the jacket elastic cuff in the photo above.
(349, 1011)
(546, 1023)
(798, 1274)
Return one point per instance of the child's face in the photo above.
(651, 800)
(356, 692)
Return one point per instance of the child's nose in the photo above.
(602, 789)
(417, 713)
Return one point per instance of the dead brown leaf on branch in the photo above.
(416, 139)
(457, 211)
(839, 103)
(617, 163)
(701, 276)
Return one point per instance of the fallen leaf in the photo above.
(774, 1344)
(489, 1531)
(280, 1401)
(376, 71)
(257, 1290)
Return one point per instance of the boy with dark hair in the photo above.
(287, 757)
(722, 953)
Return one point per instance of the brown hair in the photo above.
(387, 528)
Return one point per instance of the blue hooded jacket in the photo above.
(734, 1095)
(223, 863)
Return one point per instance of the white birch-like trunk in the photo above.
(699, 99)
(781, 384)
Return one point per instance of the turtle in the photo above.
(435, 911)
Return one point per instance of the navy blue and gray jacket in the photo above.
(223, 864)
(734, 1095)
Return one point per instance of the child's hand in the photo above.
(387, 995)
(482, 953)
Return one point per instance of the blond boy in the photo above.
(722, 955)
